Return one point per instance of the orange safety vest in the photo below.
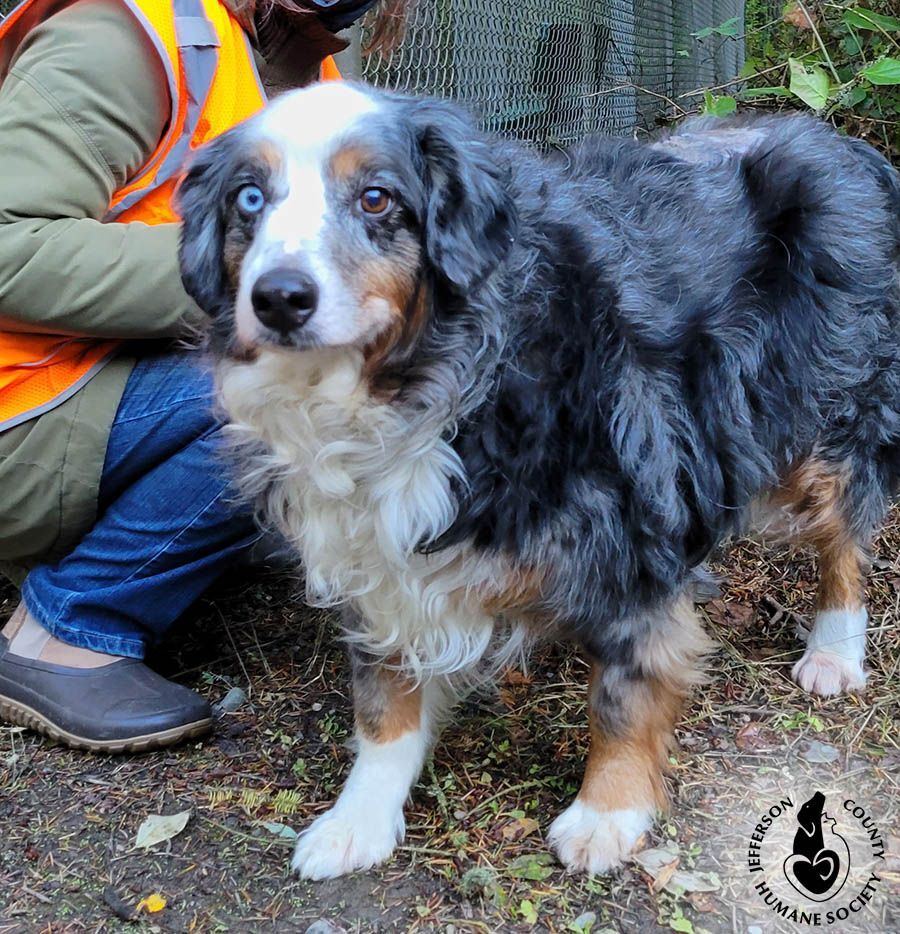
(213, 85)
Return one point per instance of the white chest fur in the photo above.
(355, 485)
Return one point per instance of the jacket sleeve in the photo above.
(82, 109)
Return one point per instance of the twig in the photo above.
(812, 26)
(718, 87)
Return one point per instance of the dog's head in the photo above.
(324, 220)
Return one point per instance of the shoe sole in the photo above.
(19, 714)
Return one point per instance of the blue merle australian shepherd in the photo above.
(491, 397)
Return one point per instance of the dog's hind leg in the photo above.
(396, 721)
(822, 498)
(836, 646)
(634, 704)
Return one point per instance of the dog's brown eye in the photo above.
(376, 201)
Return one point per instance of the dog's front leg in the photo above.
(395, 725)
(633, 705)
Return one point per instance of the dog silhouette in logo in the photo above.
(819, 865)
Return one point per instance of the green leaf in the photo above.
(867, 19)
(728, 28)
(479, 880)
(884, 71)
(725, 106)
(811, 85)
(584, 923)
(528, 911)
(678, 922)
(854, 96)
(681, 924)
(851, 45)
(718, 106)
(533, 867)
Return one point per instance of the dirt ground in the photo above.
(474, 858)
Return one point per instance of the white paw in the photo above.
(337, 843)
(586, 840)
(826, 674)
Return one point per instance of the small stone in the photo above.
(584, 922)
(232, 701)
(814, 751)
(323, 926)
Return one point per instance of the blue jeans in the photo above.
(169, 521)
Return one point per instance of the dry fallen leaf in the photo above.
(734, 615)
(514, 676)
(655, 859)
(665, 874)
(754, 736)
(703, 902)
(520, 828)
(151, 904)
(157, 828)
(693, 881)
(796, 15)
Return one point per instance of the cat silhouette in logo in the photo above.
(819, 865)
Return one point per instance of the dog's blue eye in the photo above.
(250, 199)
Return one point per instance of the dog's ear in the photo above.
(470, 220)
(200, 201)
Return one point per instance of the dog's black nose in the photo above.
(284, 299)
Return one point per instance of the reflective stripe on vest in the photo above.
(213, 85)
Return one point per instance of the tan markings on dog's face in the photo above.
(342, 222)
(392, 302)
(348, 163)
(386, 285)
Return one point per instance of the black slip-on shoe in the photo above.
(120, 707)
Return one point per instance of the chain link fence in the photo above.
(549, 72)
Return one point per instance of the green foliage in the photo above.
(718, 106)
(728, 28)
(810, 84)
(838, 58)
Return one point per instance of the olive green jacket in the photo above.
(81, 110)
